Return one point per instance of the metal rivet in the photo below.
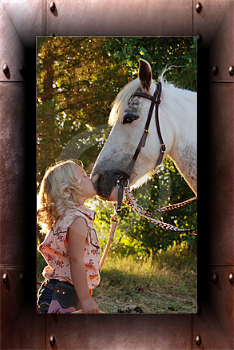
(5, 278)
(215, 70)
(198, 7)
(5, 69)
(52, 6)
(215, 278)
(231, 278)
(199, 39)
(198, 340)
(21, 278)
(21, 69)
(52, 340)
(231, 70)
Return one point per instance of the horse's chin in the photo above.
(102, 198)
(136, 183)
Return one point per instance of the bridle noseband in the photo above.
(124, 176)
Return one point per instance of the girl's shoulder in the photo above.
(80, 211)
(70, 215)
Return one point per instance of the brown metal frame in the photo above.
(212, 22)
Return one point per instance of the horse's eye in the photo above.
(129, 118)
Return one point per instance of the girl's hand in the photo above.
(89, 306)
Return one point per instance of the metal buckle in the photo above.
(163, 148)
(120, 182)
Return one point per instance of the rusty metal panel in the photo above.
(222, 298)
(28, 18)
(12, 300)
(222, 51)
(207, 331)
(221, 174)
(120, 331)
(130, 332)
(12, 173)
(28, 330)
(119, 18)
(207, 17)
(12, 61)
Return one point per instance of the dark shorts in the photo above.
(50, 301)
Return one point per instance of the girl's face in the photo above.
(88, 189)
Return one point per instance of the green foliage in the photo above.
(77, 80)
(76, 84)
(161, 53)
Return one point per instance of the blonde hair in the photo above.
(59, 190)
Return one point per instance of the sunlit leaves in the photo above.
(76, 84)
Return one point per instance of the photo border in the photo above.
(23, 327)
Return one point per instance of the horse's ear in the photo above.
(130, 80)
(145, 73)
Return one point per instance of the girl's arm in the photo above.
(76, 238)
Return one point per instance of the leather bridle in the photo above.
(125, 175)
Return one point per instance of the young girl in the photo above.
(70, 248)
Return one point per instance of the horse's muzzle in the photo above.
(104, 183)
(107, 180)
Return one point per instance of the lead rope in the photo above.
(114, 223)
(132, 203)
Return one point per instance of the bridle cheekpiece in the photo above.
(124, 176)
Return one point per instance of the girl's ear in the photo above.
(145, 74)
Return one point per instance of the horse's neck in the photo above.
(183, 148)
(186, 162)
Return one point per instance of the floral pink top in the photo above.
(54, 248)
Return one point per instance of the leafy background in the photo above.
(77, 80)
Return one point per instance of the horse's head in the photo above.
(128, 117)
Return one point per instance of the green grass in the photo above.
(165, 284)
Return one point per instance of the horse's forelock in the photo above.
(122, 99)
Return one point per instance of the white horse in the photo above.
(178, 124)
